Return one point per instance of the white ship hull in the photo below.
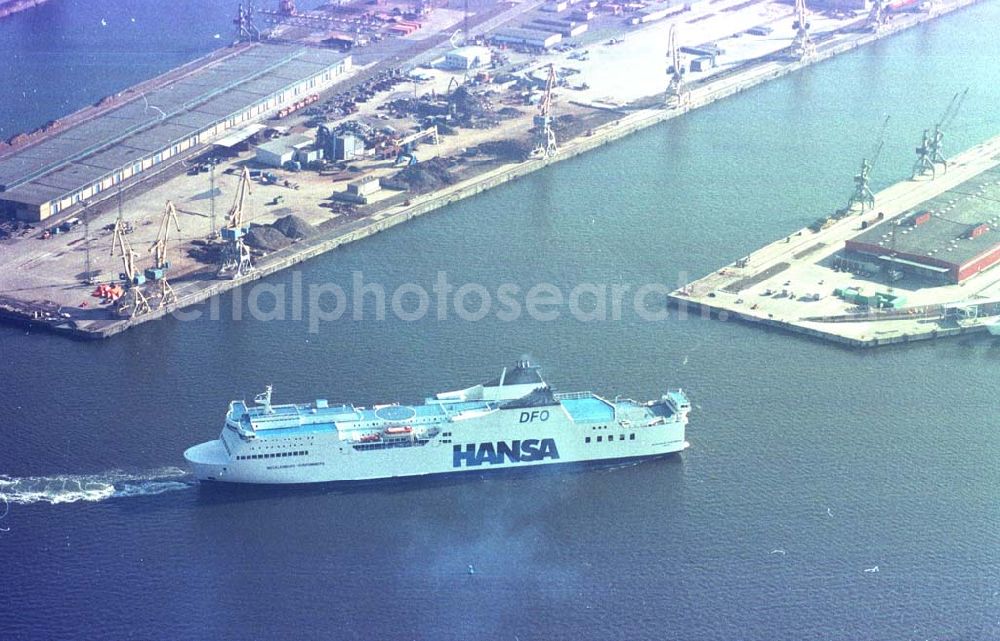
(447, 435)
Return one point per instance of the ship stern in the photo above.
(208, 461)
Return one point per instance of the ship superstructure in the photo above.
(515, 420)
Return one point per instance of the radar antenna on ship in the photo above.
(264, 399)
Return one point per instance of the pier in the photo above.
(809, 282)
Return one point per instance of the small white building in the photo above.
(282, 150)
(472, 57)
(358, 191)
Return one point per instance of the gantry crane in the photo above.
(158, 272)
(235, 253)
(545, 145)
(930, 152)
(803, 48)
(676, 94)
(862, 189)
(133, 302)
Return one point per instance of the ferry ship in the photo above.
(513, 421)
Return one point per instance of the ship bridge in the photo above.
(513, 383)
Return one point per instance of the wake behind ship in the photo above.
(513, 421)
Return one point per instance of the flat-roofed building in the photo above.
(471, 57)
(947, 239)
(282, 150)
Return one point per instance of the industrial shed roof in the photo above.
(83, 153)
(945, 235)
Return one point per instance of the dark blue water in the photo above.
(809, 463)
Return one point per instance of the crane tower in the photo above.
(930, 152)
(545, 146)
(235, 253)
(676, 94)
(862, 188)
(803, 48)
(133, 302)
(246, 30)
(876, 17)
(158, 272)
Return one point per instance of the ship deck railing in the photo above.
(570, 396)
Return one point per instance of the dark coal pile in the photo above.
(509, 112)
(266, 238)
(294, 227)
(423, 177)
(205, 252)
(514, 150)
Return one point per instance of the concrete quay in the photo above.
(198, 287)
(789, 284)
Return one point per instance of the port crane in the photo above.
(246, 30)
(876, 17)
(937, 157)
(676, 94)
(158, 272)
(545, 146)
(929, 153)
(862, 188)
(133, 302)
(924, 164)
(235, 253)
(803, 47)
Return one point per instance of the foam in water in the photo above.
(71, 488)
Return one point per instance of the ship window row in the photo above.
(363, 447)
(611, 438)
(254, 457)
(598, 427)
